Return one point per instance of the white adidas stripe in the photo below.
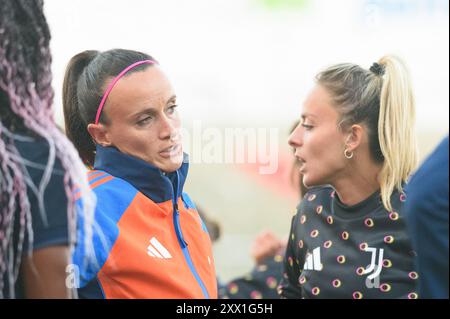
(156, 249)
(313, 261)
(153, 252)
(160, 248)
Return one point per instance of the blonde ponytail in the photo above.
(396, 128)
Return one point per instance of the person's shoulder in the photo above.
(432, 175)
(35, 151)
(113, 194)
(103, 183)
(318, 194)
(48, 206)
(31, 146)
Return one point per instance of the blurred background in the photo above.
(248, 65)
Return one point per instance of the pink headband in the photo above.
(111, 85)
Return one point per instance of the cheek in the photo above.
(176, 123)
(324, 151)
(139, 143)
(176, 120)
(145, 142)
(317, 144)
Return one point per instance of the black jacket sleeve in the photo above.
(289, 287)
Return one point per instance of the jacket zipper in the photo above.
(181, 241)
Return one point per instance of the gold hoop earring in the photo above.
(347, 155)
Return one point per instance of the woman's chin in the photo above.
(309, 181)
(171, 165)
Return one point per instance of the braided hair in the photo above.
(26, 98)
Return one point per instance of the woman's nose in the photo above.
(295, 139)
(168, 128)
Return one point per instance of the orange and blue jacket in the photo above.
(149, 241)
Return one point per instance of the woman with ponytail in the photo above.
(120, 112)
(39, 167)
(357, 149)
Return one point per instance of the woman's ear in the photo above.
(99, 134)
(355, 137)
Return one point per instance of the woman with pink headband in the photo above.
(149, 241)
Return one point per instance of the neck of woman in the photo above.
(358, 182)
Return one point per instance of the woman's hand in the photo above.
(265, 245)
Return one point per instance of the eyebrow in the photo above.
(171, 99)
(305, 115)
(152, 110)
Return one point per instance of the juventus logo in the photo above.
(374, 269)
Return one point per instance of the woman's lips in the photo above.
(171, 151)
(302, 164)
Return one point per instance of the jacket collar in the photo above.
(146, 178)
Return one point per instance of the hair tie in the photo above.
(377, 69)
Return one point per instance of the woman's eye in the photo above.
(306, 126)
(172, 109)
(144, 121)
